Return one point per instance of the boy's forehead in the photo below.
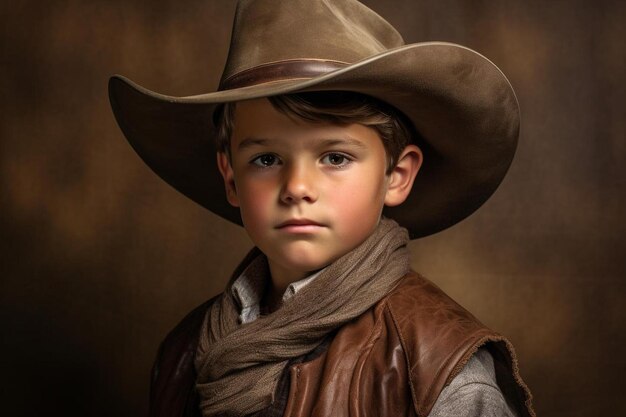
(258, 124)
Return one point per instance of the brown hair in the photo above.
(337, 107)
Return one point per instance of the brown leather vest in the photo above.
(393, 360)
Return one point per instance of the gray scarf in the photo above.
(239, 365)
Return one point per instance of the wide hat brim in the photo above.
(461, 104)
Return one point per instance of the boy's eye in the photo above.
(266, 160)
(335, 159)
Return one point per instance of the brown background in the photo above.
(100, 258)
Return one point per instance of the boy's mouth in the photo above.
(299, 225)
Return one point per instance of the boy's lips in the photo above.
(299, 225)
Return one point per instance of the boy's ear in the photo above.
(403, 174)
(223, 163)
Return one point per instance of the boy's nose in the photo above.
(298, 185)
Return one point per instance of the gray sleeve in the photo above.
(473, 392)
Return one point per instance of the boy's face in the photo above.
(308, 193)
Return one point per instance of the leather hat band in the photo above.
(282, 70)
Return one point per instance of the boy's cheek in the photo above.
(358, 205)
(255, 201)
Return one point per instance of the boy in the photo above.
(323, 119)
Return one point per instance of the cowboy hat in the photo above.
(462, 105)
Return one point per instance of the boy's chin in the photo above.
(302, 267)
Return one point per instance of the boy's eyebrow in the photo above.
(248, 142)
(251, 141)
(344, 141)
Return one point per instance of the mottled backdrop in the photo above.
(99, 257)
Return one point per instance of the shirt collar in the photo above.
(249, 287)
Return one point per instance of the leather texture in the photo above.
(276, 71)
(393, 360)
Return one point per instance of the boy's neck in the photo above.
(281, 278)
(272, 299)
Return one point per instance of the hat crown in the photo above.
(270, 31)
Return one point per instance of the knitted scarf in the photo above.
(239, 365)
